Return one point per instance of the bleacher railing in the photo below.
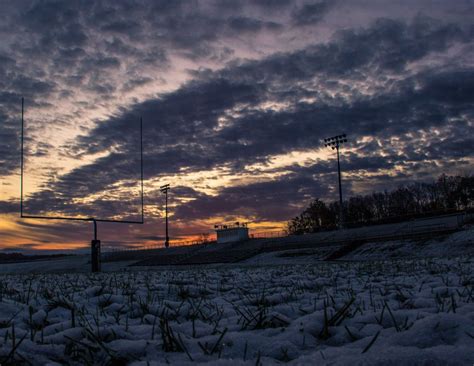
(462, 218)
(268, 234)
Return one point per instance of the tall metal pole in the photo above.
(22, 143)
(334, 143)
(341, 211)
(167, 241)
(141, 166)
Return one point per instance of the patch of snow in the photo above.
(404, 311)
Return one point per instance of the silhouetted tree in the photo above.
(315, 218)
(447, 193)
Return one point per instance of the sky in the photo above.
(236, 98)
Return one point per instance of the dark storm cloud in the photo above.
(311, 13)
(57, 49)
(282, 198)
(261, 200)
(134, 83)
(15, 83)
(388, 45)
(195, 107)
(125, 27)
(182, 128)
(272, 4)
(222, 118)
(278, 199)
(176, 25)
(9, 207)
(245, 24)
(7, 162)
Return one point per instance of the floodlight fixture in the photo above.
(95, 243)
(164, 189)
(335, 143)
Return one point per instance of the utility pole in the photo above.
(334, 143)
(164, 189)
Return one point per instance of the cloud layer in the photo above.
(224, 100)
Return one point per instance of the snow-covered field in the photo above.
(411, 312)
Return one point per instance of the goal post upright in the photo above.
(21, 163)
(141, 166)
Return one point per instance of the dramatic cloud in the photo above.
(232, 117)
(311, 13)
(236, 98)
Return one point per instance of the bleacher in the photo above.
(297, 242)
(204, 254)
(170, 254)
(238, 251)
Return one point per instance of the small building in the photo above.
(231, 233)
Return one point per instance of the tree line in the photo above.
(446, 194)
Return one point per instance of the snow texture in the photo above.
(404, 311)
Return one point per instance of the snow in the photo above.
(403, 311)
(456, 244)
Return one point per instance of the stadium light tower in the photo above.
(334, 143)
(164, 189)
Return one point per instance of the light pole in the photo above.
(334, 143)
(164, 189)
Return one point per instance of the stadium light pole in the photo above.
(334, 143)
(164, 189)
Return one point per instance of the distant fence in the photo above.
(181, 243)
(269, 234)
(114, 249)
(467, 213)
(462, 218)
